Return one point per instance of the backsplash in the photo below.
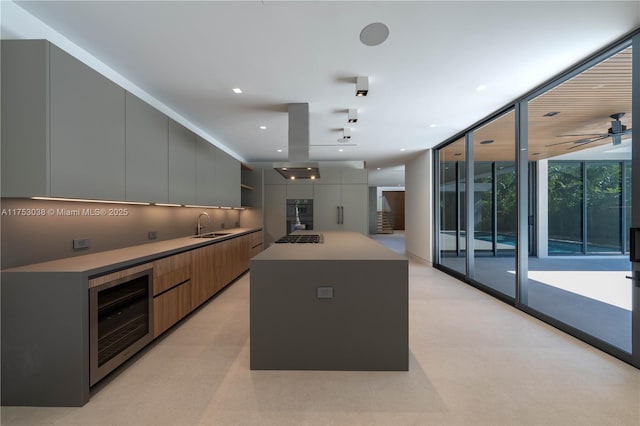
(34, 231)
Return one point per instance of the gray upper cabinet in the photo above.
(25, 117)
(68, 131)
(205, 173)
(227, 179)
(87, 131)
(182, 164)
(147, 152)
(63, 131)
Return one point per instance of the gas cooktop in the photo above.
(301, 239)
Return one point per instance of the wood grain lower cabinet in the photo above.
(184, 281)
(171, 271)
(171, 291)
(255, 244)
(170, 307)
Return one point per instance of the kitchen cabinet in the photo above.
(63, 125)
(250, 187)
(204, 273)
(275, 212)
(87, 131)
(171, 291)
(217, 265)
(217, 176)
(147, 156)
(341, 208)
(255, 245)
(227, 179)
(299, 191)
(171, 271)
(182, 164)
(206, 182)
(25, 116)
(170, 307)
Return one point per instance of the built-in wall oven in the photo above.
(299, 215)
(120, 318)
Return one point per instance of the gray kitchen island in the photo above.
(341, 304)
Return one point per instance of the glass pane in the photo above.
(507, 208)
(452, 219)
(494, 206)
(604, 190)
(578, 138)
(626, 205)
(565, 208)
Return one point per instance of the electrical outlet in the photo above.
(81, 243)
(324, 292)
(152, 235)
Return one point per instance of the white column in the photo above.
(419, 207)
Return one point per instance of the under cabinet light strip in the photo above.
(167, 205)
(201, 206)
(90, 201)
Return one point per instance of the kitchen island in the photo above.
(341, 304)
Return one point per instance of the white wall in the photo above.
(418, 209)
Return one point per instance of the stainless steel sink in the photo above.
(212, 235)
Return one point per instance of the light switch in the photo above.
(324, 292)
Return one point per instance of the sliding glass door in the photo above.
(452, 184)
(577, 130)
(547, 193)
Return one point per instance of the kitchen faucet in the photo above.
(201, 227)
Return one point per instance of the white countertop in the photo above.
(98, 263)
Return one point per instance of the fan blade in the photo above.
(574, 141)
(588, 142)
(583, 134)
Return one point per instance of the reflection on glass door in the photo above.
(494, 207)
(452, 207)
(576, 135)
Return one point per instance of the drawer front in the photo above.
(170, 307)
(171, 271)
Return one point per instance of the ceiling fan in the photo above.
(615, 132)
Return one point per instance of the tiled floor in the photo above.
(474, 361)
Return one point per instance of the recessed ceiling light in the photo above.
(481, 88)
(279, 150)
(237, 90)
(378, 168)
(341, 150)
(433, 125)
(263, 127)
(401, 149)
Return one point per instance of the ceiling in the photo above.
(422, 79)
(581, 108)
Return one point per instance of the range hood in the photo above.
(298, 166)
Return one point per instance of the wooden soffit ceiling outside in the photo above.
(582, 105)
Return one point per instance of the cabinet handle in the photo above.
(338, 217)
(341, 215)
